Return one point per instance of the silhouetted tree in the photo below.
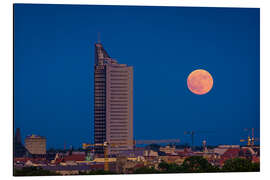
(170, 168)
(146, 170)
(256, 167)
(240, 165)
(197, 164)
(33, 171)
(163, 165)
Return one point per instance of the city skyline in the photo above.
(54, 52)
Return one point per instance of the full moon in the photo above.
(200, 82)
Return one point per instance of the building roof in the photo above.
(34, 136)
(131, 153)
(33, 160)
(75, 157)
(231, 153)
(220, 151)
(249, 150)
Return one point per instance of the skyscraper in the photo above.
(113, 102)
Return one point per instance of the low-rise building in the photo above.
(167, 149)
(150, 153)
(35, 144)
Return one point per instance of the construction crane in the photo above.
(192, 133)
(250, 139)
(85, 145)
(157, 141)
(106, 146)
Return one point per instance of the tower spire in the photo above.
(18, 136)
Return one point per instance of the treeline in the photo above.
(33, 171)
(197, 164)
(194, 164)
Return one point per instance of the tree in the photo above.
(163, 165)
(146, 170)
(240, 165)
(169, 168)
(33, 171)
(197, 164)
(256, 167)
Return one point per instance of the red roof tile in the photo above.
(75, 157)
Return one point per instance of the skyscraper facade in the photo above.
(113, 103)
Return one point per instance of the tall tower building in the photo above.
(113, 103)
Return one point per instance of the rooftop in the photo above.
(34, 136)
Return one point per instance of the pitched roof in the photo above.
(231, 153)
(75, 157)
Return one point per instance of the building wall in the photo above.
(36, 145)
(119, 103)
(100, 106)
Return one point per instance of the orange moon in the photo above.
(200, 82)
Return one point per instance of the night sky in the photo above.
(54, 63)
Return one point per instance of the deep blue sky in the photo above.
(54, 62)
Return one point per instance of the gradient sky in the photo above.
(54, 63)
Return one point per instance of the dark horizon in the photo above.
(54, 60)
